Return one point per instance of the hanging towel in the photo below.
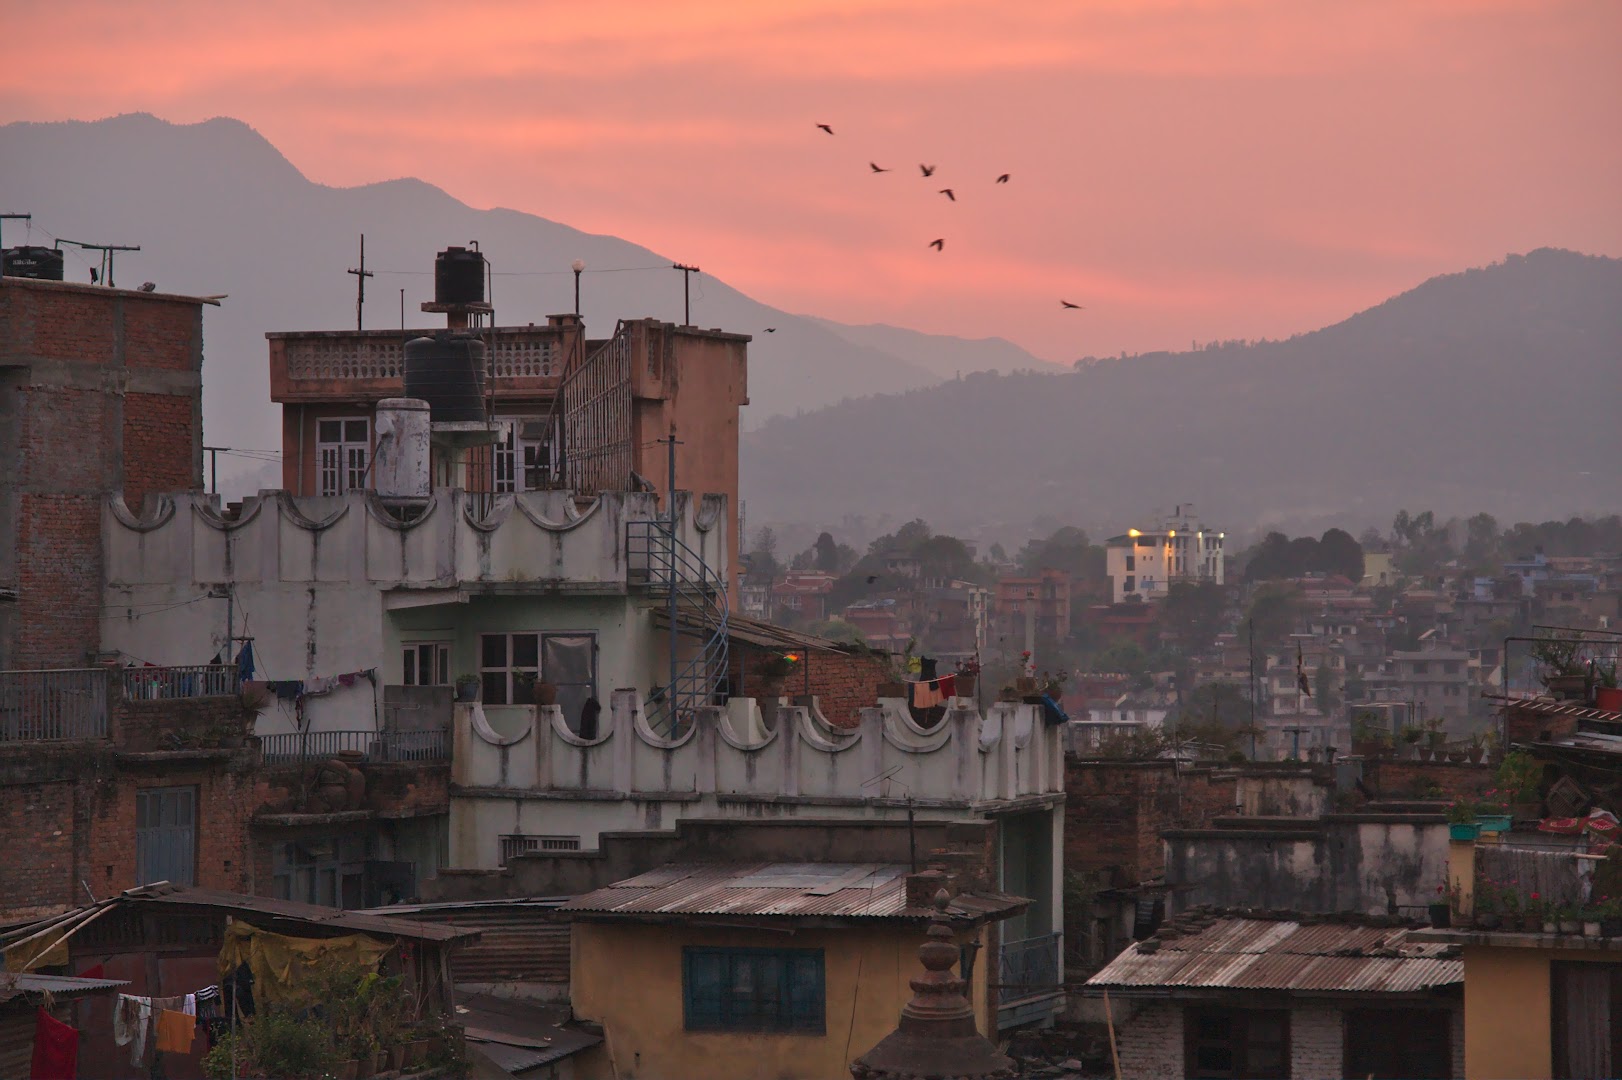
(208, 1002)
(287, 689)
(56, 1049)
(948, 685)
(131, 1017)
(245, 662)
(190, 1008)
(926, 695)
(175, 1032)
(1052, 714)
(347, 678)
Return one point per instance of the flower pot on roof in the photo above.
(1607, 695)
(467, 688)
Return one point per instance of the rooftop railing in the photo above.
(69, 703)
(375, 746)
(198, 680)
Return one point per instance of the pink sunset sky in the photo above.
(1185, 169)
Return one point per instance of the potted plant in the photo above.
(1441, 910)
(1411, 736)
(1568, 918)
(1492, 814)
(1610, 917)
(968, 673)
(1533, 914)
(1564, 674)
(1591, 921)
(467, 688)
(1486, 906)
(1478, 747)
(1607, 695)
(1519, 775)
(1461, 819)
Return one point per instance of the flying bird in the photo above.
(826, 128)
(1068, 304)
(948, 193)
(928, 170)
(938, 245)
(771, 329)
(875, 167)
(1003, 179)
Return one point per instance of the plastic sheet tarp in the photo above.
(283, 967)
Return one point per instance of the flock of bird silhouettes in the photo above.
(939, 244)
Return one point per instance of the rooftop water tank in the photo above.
(459, 276)
(40, 263)
(400, 469)
(448, 373)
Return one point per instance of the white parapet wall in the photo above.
(543, 779)
(313, 580)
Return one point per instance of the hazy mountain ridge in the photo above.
(217, 209)
(1493, 389)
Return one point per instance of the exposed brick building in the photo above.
(100, 393)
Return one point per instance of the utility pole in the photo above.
(214, 453)
(360, 283)
(1030, 633)
(687, 273)
(1252, 651)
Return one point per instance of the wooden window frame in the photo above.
(787, 1019)
(1239, 1041)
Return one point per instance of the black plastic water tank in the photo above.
(40, 263)
(458, 277)
(448, 373)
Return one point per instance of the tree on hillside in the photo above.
(1222, 702)
(1067, 549)
(1339, 554)
(1325, 694)
(1193, 613)
(763, 565)
(1127, 657)
(1272, 616)
(1481, 541)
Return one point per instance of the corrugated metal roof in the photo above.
(520, 940)
(518, 1035)
(13, 983)
(1282, 954)
(792, 890)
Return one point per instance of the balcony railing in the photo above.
(515, 353)
(376, 746)
(200, 680)
(1028, 968)
(63, 704)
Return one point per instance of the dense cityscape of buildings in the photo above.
(494, 692)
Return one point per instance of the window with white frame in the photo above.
(342, 448)
(511, 664)
(515, 844)
(522, 460)
(426, 663)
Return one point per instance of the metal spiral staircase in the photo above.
(696, 606)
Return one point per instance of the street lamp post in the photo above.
(577, 266)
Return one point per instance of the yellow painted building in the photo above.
(748, 989)
(1538, 1006)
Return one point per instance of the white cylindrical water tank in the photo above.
(401, 464)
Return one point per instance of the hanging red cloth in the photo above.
(948, 685)
(56, 1049)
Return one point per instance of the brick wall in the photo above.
(1115, 812)
(140, 726)
(1150, 1047)
(68, 821)
(1524, 725)
(1317, 1041)
(1412, 779)
(843, 682)
(58, 582)
(158, 453)
(103, 387)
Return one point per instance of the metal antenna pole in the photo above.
(14, 217)
(687, 273)
(360, 284)
(214, 467)
(106, 253)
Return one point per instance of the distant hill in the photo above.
(1496, 389)
(942, 356)
(217, 209)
